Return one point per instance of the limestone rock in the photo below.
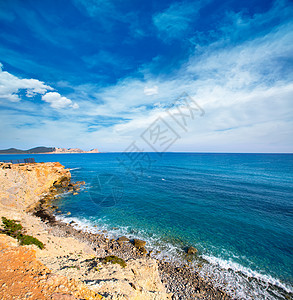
(22, 185)
(138, 280)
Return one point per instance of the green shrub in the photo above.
(11, 228)
(115, 260)
(71, 267)
(14, 229)
(29, 240)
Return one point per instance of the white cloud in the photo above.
(57, 101)
(245, 89)
(10, 86)
(151, 91)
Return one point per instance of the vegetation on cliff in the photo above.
(15, 230)
(114, 260)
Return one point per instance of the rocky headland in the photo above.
(76, 264)
(46, 150)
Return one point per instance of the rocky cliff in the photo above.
(70, 266)
(22, 185)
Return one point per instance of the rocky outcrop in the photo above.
(67, 268)
(139, 279)
(22, 185)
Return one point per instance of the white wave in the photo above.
(161, 250)
(242, 282)
(238, 281)
(72, 169)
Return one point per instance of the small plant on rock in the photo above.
(11, 227)
(114, 260)
(14, 229)
(29, 240)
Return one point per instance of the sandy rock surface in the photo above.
(22, 276)
(21, 185)
(138, 280)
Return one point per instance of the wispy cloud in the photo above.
(246, 87)
(97, 7)
(240, 71)
(150, 91)
(175, 21)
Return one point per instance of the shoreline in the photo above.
(178, 268)
(77, 252)
(75, 257)
(180, 280)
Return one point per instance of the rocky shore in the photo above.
(111, 268)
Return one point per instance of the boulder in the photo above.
(123, 239)
(138, 243)
(191, 250)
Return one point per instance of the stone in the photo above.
(123, 239)
(139, 243)
(143, 251)
(191, 250)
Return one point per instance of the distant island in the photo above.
(46, 150)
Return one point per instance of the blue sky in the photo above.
(97, 74)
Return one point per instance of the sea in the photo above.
(236, 209)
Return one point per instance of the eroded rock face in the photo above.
(22, 185)
(139, 280)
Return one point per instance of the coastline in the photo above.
(181, 281)
(71, 253)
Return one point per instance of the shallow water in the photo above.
(236, 209)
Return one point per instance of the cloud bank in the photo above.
(236, 63)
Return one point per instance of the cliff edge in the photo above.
(22, 185)
(68, 267)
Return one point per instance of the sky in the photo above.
(122, 75)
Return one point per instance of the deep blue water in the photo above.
(236, 209)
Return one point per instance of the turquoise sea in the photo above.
(236, 209)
